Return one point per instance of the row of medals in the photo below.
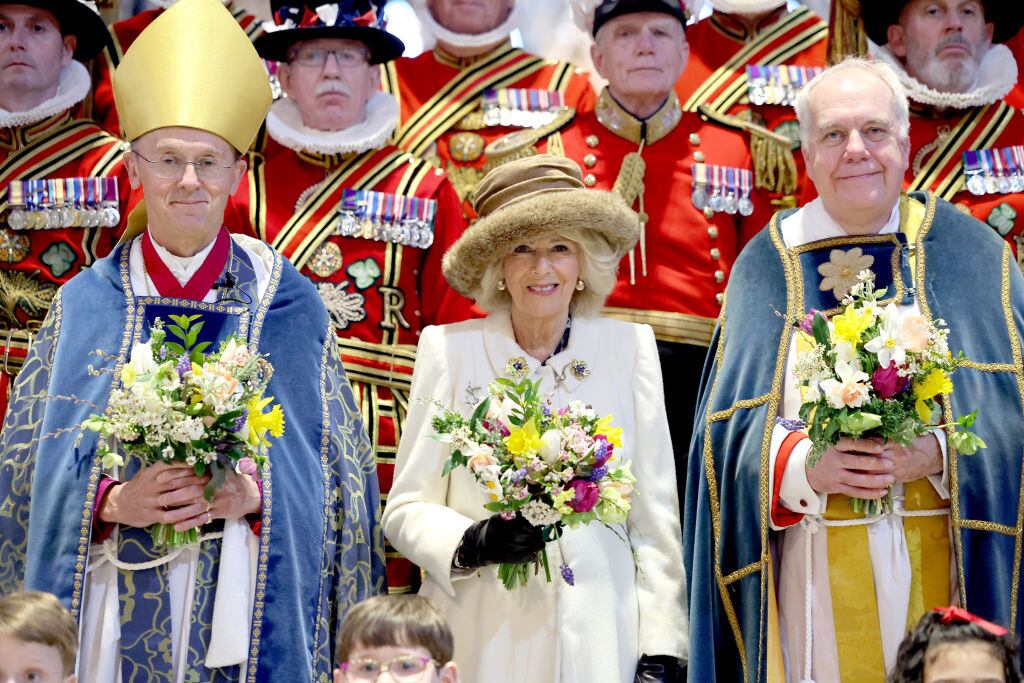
(718, 202)
(771, 93)
(980, 183)
(409, 232)
(63, 217)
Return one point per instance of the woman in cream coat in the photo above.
(542, 258)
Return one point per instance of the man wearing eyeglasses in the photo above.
(63, 188)
(282, 554)
(365, 221)
(474, 88)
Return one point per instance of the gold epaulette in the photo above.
(520, 143)
(774, 165)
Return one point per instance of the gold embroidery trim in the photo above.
(679, 328)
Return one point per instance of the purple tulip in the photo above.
(807, 324)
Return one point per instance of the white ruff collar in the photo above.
(495, 35)
(72, 88)
(996, 77)
(746, 6)
(284, 125)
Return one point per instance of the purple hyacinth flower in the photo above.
(163, 353)
(184, 365)
(598, 474)
(791, 425)
(567, 574)
(239, 423)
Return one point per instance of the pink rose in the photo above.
(887, 381)
(915, 331)
(587, 495)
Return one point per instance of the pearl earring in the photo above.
(501, 285)
(580, 284)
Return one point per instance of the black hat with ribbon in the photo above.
(360, 20)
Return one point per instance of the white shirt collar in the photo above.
(812, 223)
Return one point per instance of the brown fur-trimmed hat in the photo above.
(528, 197)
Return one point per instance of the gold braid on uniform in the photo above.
(846, 31)
(774, 165)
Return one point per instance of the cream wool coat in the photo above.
(592, 632)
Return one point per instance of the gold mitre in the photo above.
(194, 67)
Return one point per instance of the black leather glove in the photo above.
(496, 540)
(659, 669)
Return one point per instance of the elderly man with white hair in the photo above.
(784, 576)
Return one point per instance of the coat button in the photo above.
(719, 276)
(589, 180)
(698, 157)
(713, 231)
(591, 141)
(694, 139)
(589, 160)
(716, 253)
(719, 298)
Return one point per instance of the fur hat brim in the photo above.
(490, 238)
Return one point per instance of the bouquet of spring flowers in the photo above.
(175, 404)
(874, 371)
(556, 468)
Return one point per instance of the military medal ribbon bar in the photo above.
(387, 217)
(54, 203)
(722, 189)
(521, 107)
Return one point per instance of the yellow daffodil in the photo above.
(525, 439)
(613, 434)
(260, 423)
(851, 323)
(127, 375)
(935, 383)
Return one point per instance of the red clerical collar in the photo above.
(201, 281)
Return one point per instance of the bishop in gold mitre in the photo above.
(283, 552)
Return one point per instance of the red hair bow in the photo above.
(956, 614)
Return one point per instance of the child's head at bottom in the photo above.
(38, 639)
(402, 634)
(951, 645)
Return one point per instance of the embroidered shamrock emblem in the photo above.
(516, 368)
(840, 273)
(364, 272)
(59, 257)
(1001, 218)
